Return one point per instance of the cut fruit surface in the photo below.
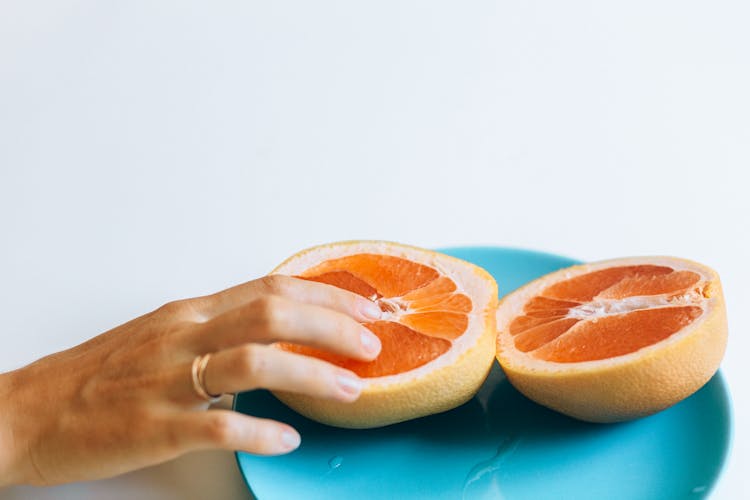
(614, 340)
(437, 330)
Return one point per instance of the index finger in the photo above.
(311, 292)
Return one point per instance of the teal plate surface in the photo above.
(500, 444)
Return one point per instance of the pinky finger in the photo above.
(234, 431)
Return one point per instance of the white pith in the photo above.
(600, 307)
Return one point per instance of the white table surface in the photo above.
(157, 150)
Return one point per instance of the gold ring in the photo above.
(199, 378)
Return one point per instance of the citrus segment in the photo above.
(390, 276)
(545, 303)
(584, 288)
(437, 289)
(523, 323)
(445, 325)
(347, 281)
(646, 284)
(540, 335)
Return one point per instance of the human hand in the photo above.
(126, 399)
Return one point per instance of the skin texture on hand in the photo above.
(125, 399)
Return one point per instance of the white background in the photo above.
(157, 150)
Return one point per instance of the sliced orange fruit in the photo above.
(437, 333)
(614, 340)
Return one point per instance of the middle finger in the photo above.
(272, 319)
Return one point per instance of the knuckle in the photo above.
(176, 308)
(276, 283)
(346, 331)
(315, 375)
(271, 310)
(252, 365)
(353, 302)
(342, 298)
(220, 429)
(173, 437)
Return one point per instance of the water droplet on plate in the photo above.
(335, 462)
(482, 480)
(699, 489)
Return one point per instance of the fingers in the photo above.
(229, 430)
(254, 366)
(272, 319)
(300, 290)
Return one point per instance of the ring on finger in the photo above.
(198, 371)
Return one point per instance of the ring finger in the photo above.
(254, 366)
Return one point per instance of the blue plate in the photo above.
(500, 444)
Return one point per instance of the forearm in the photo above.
(10, 467)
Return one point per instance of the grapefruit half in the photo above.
(438, 330)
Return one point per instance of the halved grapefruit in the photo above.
(614, 340)
(438, 331)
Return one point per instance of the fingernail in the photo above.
(349, 384)
(370, 310)
(290, 440)
(370, 342)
